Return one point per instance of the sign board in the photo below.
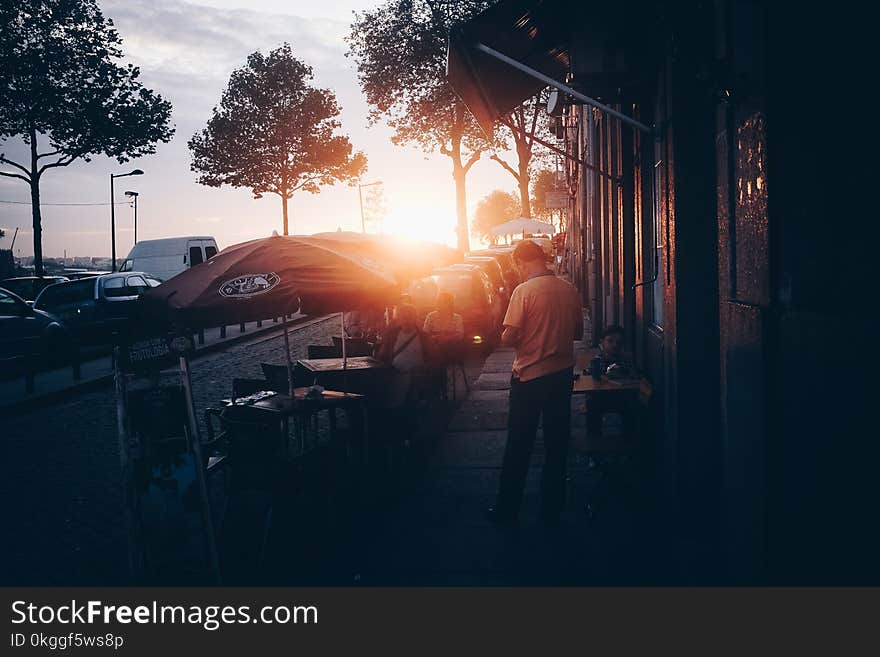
(556, 200)
(147, 354)
(168, 517)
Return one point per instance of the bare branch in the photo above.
(472, 160)
(513, 172)
(15, 175)
(42, 155)
(60, 162)
(16, 165)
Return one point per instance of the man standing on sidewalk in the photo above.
(543, 320)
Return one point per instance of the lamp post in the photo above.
(361, 197)
(135, 196)
(136, 172)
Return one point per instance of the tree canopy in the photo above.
(61, 83)
(275, 133)
(400, 50)
(523, 125)
(493, 209)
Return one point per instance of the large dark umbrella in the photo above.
(404, 259)
(269, 277)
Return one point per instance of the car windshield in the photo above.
(8, 304)
(23, 287)
(460, 286)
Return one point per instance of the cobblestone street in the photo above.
(61, 497)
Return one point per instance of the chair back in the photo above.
(245, 387)
(276, 377)
(353, 346)
(324, 351)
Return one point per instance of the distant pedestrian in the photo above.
(543, 320)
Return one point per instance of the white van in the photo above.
(168, 257)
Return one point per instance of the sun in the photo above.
(418, 219)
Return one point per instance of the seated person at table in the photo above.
(615, 362)
(364, 322)
(406, 348)
(445, 327)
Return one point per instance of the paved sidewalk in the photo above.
(57, 384)
(437, 534)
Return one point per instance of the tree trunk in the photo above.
(459, 176)
(284, 209)
(38, 230)
(35, 206)
(524, 200)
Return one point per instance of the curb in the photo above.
(24, 405)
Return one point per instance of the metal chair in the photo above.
(353, 346)
(245, 387)
(324, 351)
(276, 377)
(253, 472)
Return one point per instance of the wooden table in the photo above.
(301, 406)
(363, 374)
(324, 365)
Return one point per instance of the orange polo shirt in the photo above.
(546, 310)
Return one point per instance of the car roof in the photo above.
(456, 268)
(12, 294)
(33, 278)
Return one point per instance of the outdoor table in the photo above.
(622, 396)
(300, 405)
(363, 374)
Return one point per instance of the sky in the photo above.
(186, 52)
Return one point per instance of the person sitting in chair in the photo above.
(406, 348)
(445, 327)
(614, 361)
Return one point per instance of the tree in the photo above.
(275, 133)
(60, 83)
(400, 50)
(524, 120)
(495, 208)
(543, 181)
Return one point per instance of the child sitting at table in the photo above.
(614, 361)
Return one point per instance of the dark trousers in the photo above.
(546, 398)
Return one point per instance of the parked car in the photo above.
(96, 309)
(492, 269)
(166, 258)
(86, 273)
(505, 259)
(25, 331)
(29, 287)
(476, 300)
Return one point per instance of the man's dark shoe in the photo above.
(499, 519)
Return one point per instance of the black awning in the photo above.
(530, 31)
(539, 39)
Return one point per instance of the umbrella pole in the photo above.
(344, 358)
(287, 356)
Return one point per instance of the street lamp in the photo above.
(135, 196)
(361, 197)
(136, 172)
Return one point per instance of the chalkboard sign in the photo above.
(168, 505)
(147, 354)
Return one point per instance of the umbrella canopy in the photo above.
(522, 225)
(266, 278)
(402, 258)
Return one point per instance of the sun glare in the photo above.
(420, 221)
